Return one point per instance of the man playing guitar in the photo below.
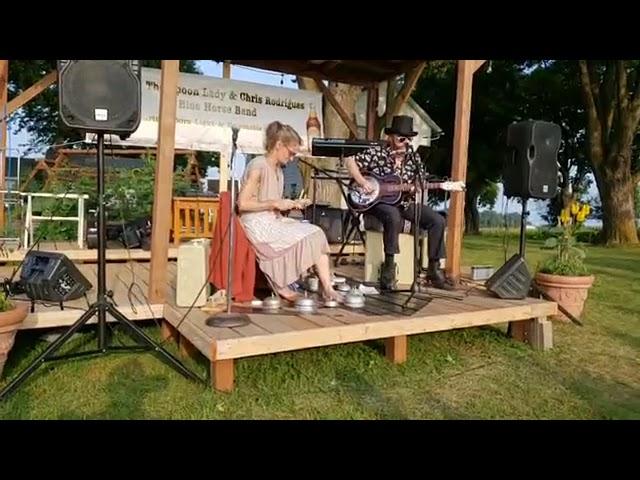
(395, 159)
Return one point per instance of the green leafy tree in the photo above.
(497, 100)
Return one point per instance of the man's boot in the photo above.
(388, 274)
(437, 277)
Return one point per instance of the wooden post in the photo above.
(537, 332)
(4, 131)
(168, 331)
(33, 91)
(222, 375)
(226, 70)
(395, 349)
(455, 221)
(163, 188)
(372, 112)
(353, 128)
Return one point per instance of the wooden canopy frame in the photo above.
(357, 72)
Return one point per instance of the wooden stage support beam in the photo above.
(33, 91)
(163, 187)
(348, 121)
(4, 130)
(455, 221)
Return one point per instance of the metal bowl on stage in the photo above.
(271, 303)
(330, 304)
(343, 287)
(306, 305)
(354, 299)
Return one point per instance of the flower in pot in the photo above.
(11, 318)
(564, 276)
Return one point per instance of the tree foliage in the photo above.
(497, 100)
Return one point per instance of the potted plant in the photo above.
(11, 318)
(564, 276)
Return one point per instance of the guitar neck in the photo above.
(405, 187)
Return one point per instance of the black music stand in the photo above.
(339, 148)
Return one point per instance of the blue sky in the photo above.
(210, 68)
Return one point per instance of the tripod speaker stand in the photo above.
(103, 305)
(100, 96)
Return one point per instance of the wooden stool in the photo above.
(374, 257)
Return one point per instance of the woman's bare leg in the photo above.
(324, 273)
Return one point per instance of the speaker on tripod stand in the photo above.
(100, 96)
(530, 171)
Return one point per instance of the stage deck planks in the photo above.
(288, 331)
(71, 250)
(119, 277)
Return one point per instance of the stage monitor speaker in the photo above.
(100, 96)
(531, 166)
(52, 277)
(512, 280)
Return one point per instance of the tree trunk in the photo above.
(617, 193)
(471, 214)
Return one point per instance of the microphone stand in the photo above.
(417, 215)
(230, 319)
(354, 215)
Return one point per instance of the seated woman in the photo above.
(285, 247)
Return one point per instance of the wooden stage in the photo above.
(382, 318)
(120, 276)
(379, 319)
(114, 253)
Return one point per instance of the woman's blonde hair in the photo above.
(280, 131)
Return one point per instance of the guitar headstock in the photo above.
(457, 186)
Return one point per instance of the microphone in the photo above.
(234, 134)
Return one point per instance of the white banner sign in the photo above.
(208, 107)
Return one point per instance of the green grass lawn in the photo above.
(592, 373)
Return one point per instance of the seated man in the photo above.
(395, 159)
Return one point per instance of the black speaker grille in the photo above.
(100, 95)
(531, 166)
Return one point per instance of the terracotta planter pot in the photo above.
(570, 292)
(10, 322)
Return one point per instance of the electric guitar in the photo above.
(388, 190)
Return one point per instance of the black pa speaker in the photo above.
(52, 277)
(512, 280)
(531, 166)
(100, 96)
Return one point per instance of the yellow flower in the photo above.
(586, 209)
(581, 217)
(565, 218)
(575, 208)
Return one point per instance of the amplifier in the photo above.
(52, 277)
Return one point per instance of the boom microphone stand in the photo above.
(353, 214)
(230, 319)
(104, 304)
